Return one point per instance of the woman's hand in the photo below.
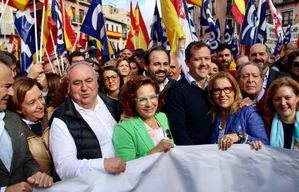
(163, 146)
(227, 140)
(257, 145)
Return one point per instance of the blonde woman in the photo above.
(232, 124)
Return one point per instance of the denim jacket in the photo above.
(247, 120)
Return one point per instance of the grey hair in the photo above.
(84, 63)
(253, 64)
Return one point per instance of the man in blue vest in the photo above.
(82, 127)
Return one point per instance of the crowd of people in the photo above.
(57, 124)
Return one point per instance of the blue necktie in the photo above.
(5, 143)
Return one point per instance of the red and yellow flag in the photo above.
(68, 30)
(172, 24)
(238, 10)
(133, 29)
(142, 38)
(195, 2)
(19, 4)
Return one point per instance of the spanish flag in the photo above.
(68, 30)
(19, 4)
(133, 29)
(195, 2)
(171, 20)
(238, 10)
(142, 38)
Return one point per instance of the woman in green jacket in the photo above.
(147, 130)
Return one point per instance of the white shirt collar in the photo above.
(79, 108)
(28, 122)
(163, 84)
(192, 81)
(2, 115)
(266, 75)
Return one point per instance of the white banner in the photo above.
(198, 168)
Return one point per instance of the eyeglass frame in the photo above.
(226, 90)
(147, 99)
(112, 77)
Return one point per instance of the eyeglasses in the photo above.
(112, 77)
(227, 90)
(296, 64)
(144, 100)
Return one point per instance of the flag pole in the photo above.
(35, 32)
(55, 51)
(3, 10)
(51, 64)
(42, 31)
(77, 39)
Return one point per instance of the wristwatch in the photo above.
(242, 136)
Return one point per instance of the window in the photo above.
(74, 11)
(287, 17)
(107, 27)
(112, 28)
(81, 15)
(116, 28)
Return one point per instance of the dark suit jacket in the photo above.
(23, 165)
(168, 85)
(275, 75)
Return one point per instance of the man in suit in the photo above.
(258, 54)
(186, 102)
(18, 169)
(156, 62)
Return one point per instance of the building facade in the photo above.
(221, 9)
(116, 21)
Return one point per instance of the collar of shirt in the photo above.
(192, 81)
(259, 96)
(29, 122)
(79, 108)
(266, 75)
(163, 84)
(2, 115)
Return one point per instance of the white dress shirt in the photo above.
(163, 84)
(6, 150)
(63, 147)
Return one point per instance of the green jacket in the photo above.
(131, 139)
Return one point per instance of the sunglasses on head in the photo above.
(296, 64)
